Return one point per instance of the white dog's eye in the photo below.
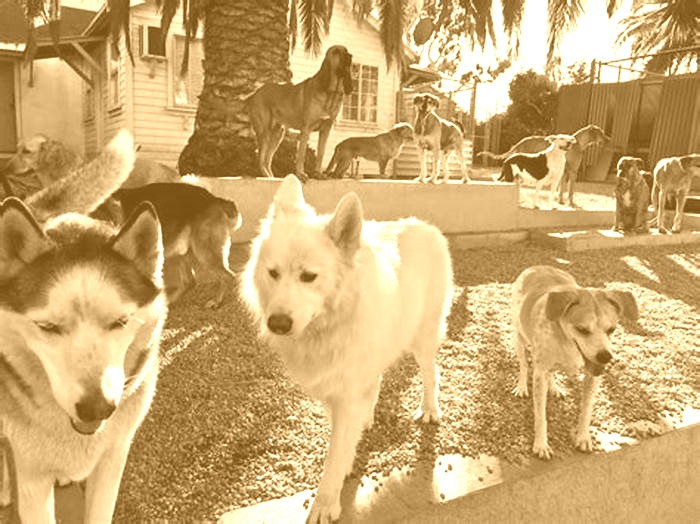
(274, 274)
(610, 331)
(119, 323)
(583, 330)
(307, 276)
(49, 327)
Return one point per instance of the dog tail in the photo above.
(87, 187)
(491, 155)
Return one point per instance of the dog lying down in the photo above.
(568, 327)
(197, 228)
(340, 299)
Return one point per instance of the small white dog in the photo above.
(340, 299)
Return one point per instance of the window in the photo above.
(113, 73)
(152, 43)
(186, 89)
(361, 104)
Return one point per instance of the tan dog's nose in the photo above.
(603, 356)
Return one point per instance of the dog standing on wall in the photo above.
(586, 137)
(437, 135)
(311, 105)
(381, 148)
(565, 327)
(673, 176)
(631, 197)
(540, 169)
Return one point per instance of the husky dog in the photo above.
(340, 299)
(81, 310)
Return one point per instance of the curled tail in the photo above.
(493, 156)
(86, 188)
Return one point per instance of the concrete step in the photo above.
(587, 239)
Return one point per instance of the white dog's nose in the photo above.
(603, 356)
(280, 323)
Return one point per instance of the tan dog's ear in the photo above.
(417, 99)
(624, 302)
(558, 302)
(345, 228)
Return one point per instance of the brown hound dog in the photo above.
(437, 135)
(586, 137)
(673, 176)
(311, 105)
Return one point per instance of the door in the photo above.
(8, 124)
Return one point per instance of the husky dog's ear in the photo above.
(140, 241)
(624, 302)
(558, 302)
(289, 196)
(345, 228)
(21, 238)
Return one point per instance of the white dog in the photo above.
(340, 299)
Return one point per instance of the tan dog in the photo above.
(311, 105)
(437, 135)
(565, 326)
(673, 176)
(585, 137)
(631, 197)
(381, 148)
(540, 169)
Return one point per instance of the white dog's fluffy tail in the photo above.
(86, 188)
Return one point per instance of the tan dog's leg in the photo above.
(661, 209)
(323, 133)
(540, 385)
(582, 440)
(519, 345)
(103, 485)
(301, 153)
(681, 197)
(423, 169)
(269, 144)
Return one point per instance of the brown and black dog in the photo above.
(196, 225)
(673, 176)
(381, 148)
(311, 105)
(631, 196)
(437, 135)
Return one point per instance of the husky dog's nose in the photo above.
(279, 323)
(94, 406)
(603, 356)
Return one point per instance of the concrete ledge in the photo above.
(477, 207)
(605, 238)
(652, 481)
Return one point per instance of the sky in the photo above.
(593, 38)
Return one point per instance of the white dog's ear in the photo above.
(21, 238)
(289, 196)
(345, 228)
(624, 302)
(558, 302)
(550, 138)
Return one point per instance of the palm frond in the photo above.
(562, 16)
(392, 16)
(314, 21)
(168, 8)
(512, 13)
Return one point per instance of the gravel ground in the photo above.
(229, 429)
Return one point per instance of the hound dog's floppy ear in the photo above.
(558, 302)
(21, 238)
(417, 100)
(345, 227)
(325, 73)
(345, 71)
(688, 161)
(624, 302)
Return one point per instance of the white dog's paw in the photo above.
(583, 442)
(542, 450)
(324, 510)
(427, 415)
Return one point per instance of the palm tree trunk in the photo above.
(246, 43)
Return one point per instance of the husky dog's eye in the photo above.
(118, 324)
(49, 327)
(307, 276)
(583, 330)
(274, 274)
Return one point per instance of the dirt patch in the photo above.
(229, 428)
